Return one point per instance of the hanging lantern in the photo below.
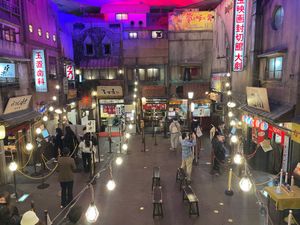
(264, 126)
(257, 123)
(2, 132)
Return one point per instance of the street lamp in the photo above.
(190, 97)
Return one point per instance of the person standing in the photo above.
(86, 149)
(58, 142)
(219, 153)
(66, 168)
(187, 154)
(70, 140)
(198, 132)
(174, 129)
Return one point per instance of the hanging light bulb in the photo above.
(134, 95)
(238, 159)
(230, 114)
(130, 126)
(92, 213)
(206, 92)
(38, 130)
(58, 111)
(45, 118)
(57, 87)
(127, 135)
(51, 108)
(228, 75)
(240, 123)
(54, 98)
(231, 104)
(111, 185)
(135, 83)
(94, 105)
(229, 93)
(227, 84)
(232, 123)
(119, 161)
(234, 139)
(135, 89)
(13, 166)
(245, 184)
(125, 147)
(29, 146)
(134, 103)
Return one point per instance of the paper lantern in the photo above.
(264, 126)
(2, 132)
(257, 123)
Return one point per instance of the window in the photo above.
(107, 49)
(156, 34)
(142, 74)
(274, 68)
(277, 18)
(149, 74)
(52, 67)
(40, 32)
(54, 37)
(47, 35)
(30, 28)
(191, 73)
(9, 34)
(121, 16)
(133, 35)
(89, 49)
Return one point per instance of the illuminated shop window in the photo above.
(47, 35)
(274, 68)
(156, 34)
(133, 35)
(30, 28)
(40, 32)
(54, 38)
(121, 16)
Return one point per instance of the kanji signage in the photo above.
(109, 109)
(109, 91)
(70, 74)
(7, 70)
(40, 76)
(17, 104)
(150, 106)
(239, 29)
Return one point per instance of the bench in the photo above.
(155, 177)
(157, 202)
(189, 195)
(181, 177)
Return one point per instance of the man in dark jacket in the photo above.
(219, 152)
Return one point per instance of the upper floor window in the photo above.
(40, 32)
(133, 35)
(47, 35)
(149, 74)
(121, 16)
(190, 73)
(9, 33)
(54, 37)
(277, 18)
(30, 28)
(274, 68)
(89, 50)
(107, 49)
(156, 34)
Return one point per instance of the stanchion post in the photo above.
(46, 217)
(15, 185)
(229, 191)
(32, 205)
(110, 142)
(155, 141)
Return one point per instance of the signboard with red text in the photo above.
(70, 74)
(40, 76)
(239, 28)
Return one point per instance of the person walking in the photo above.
(58, 142)
(198, 132)
(86, 149)
(174, 129)
(187, 154)
(70, 140)
(219, 153)
(66, 168)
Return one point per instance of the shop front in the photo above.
(154, 111)
(202, 113)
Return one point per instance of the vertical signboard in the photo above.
(239, 28)
(40, 76)
(70, 74)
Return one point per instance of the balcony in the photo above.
(8, 48)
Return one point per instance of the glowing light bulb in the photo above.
(125, 147)
(229, 93)
(130, 126)
(38, 130)
(228, 75)
(57, 87)
(13, 166)
(227, 84)
(29, 146)
(134, 103)
(135, 83)
(231, 104)
(92, 213)
(45, 118)
(230, 114)
(135, 89)
(94, 105)
(240, 123)
(54, 98)
(51, 108)
(58, 111)
(134, 95)
(127, 135)
(245, 184)
(238, 159)
(119, 160)
(206, 92)
(234, 139)
(111, 185)
(232, 123)
(94, 93)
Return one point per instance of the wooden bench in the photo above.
(181, 177)
(155, 177)
(157, 202)
(189, 195)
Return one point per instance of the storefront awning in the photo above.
(14, 119)
(278, 112)
(273, 53)
(110, 62)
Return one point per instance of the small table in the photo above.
(284, 200)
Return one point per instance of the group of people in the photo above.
(191, 145)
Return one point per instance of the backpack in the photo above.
(198, 132)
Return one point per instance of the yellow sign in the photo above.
(296, 132)
(191, 20)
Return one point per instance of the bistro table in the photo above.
(284, 200)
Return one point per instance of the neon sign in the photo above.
(40, 76)
(239, 35)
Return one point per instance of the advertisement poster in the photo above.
(17, 104)
(40, 76)
(191, 20)
(258, 98)
(7, 70)
(217, 80)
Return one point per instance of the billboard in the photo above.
(217, 80)
(7, 70)
(191, 20)
(40, 76)
(258, 98)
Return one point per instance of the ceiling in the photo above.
(75, 5)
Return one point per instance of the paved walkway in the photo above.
(131, 202)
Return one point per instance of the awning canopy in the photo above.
(109, 62)
(17, 118)
(278, 112)
(273, 53)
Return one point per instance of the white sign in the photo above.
(17, 104)
(109, 91)
(285, 154)
(7, 70)
(70, 74)
(239, 29)
(40, 76)
(91, 126)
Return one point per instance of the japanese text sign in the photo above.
(17, 104)
(70, 72)
(40, 76)
(109, 91)
(239, 29)
(7, 70)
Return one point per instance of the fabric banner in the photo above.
(275, 130)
